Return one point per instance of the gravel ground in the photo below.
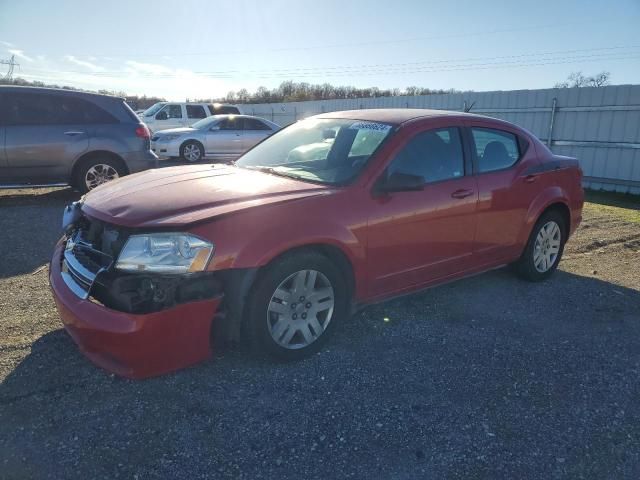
(490, 377)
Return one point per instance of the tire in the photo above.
(191, 151)
(95, 171)
(281, 325)
(547, 239)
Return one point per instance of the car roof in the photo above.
(57, 91)
(394, 116)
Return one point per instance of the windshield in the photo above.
(153, 109)
(204, 123)
(331, 151)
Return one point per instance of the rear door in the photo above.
(501, 158)
(44, 135)
(226, 140)
(254, 131)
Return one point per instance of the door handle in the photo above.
(530, 178)
(73, 134)
(462, 193)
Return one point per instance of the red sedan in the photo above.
(329, 214)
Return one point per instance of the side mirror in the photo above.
(162, 116)
(401, 182)
(215, 128)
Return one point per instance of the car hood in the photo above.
(173, 131)
(176, 196)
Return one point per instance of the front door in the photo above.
(170, 116)
(225, 138)
(416, 237)
(44, 135)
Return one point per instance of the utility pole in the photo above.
(12, 64)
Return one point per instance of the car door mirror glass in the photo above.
(161, 116)
(401, 182)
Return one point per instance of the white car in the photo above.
(163, 115)
(220, 137)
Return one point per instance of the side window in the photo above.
(434, 155)
(173, 111)
(253, 124)
(78, 110)
(30, 109)
(495, 149)
(196, 111)
(230, 123)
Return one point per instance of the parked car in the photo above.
(220, 137)
(63, 137)
(164, 115)
(283, 251)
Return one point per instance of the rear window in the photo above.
(223, 110)
(254, 124)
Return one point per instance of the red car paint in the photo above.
(395, 243)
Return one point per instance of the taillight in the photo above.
(143, 132)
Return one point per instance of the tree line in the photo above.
(290, 91)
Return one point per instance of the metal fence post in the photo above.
(295, 114)
(553, 116)
(464, 106)
(272, 114)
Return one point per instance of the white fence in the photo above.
(599, 126)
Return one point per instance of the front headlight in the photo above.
(165, 253)
(172, 136)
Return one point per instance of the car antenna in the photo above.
(468, 109)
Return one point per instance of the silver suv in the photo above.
(63, 137)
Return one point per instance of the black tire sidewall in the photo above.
(265, 286)
(191, 142)
(79, 181)
(526, 266)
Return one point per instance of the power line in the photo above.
(496, 66)
(326, 46)
(606, 52)
(411, 67)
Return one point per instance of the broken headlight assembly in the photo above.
(165, 253)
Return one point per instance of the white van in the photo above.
(164, 115)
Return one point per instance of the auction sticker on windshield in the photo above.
(378, 127)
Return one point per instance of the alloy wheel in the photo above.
(547, 246)
(191, 152)
(300, 309)
(99, 174)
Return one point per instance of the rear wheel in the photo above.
(296, 305)
(544, 248)
(96, 171)
(191, 152)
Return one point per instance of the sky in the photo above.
(204, 49)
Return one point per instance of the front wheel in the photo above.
(544, 248)
(191, 152)
(295, 305)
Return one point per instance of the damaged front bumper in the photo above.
(134, 326)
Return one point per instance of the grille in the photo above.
(90, 250)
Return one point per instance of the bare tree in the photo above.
(577, 79)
